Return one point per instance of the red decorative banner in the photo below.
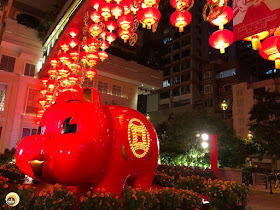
(254, 16)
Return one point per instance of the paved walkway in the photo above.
(263, 200)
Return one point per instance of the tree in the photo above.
(178, 139)
(265, 123)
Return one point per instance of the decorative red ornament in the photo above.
(125, 34)
(73, 42)
(92, 59)
(127, 5)
(92, 44)
(65, 82)
(83, 57)
(180, 19)
(111, 25)
(73, 78)
(221, 39)
(50, 85)
(74, 54)
(96, 17)
(49, 96)
(256, 38)
(45, 80)
(52, 72)
(148, 17)
(74, 67)
(72, 88)
(117, 10)
(64, 57)
(179, 4)
(110, 37)
(105, 10)
(151, 3)
(223, 18)
(103, 35)
(43, 91)
(103, 55)
(54, 62)
(125, 22)
(271, 50)
(73, 32)
(90, 73)
(118, 142)
(64, 46)
(95, 4)
(94, 30)
(42, 101)
(63, 71)
(104, 45)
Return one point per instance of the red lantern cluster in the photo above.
(181, 17)
(222, 38)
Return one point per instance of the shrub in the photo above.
(163, 180)
(55, 197)
(100, 200)
(135, 198)
(7, 156)
(194, 183)
(11, 171)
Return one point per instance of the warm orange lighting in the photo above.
(63, 71)
(117, 10)
(73, 32)
(74, 67)
(105, 10)
(96, 3)
(125, 34)
(104, 45)
(64, 46)
(180, 19)
(96, 17)
(125, 22)
(127, 4)
(148, 17)
(221, 39)
(73, 78)
(90, 73)
(45, 80)
(74, 54)
(63, 57)
(223, 18)
(103, 55)
(110, 37)
(52, 72)
(111, 25)
(73, 42)
(271, 50)
(179, 4)
(94, 30)
(54, 62)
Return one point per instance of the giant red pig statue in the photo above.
(82, 143)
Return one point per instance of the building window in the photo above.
(164, 95)
(176, 57)
(176, 68)
(227, 88)
(3, 92)
(7, 63)
(28, 132)
(207, 75)
(175, 80)
(117, 90)
(208, 103)
(32, 103)
(103, 87)
(87, 83)
(185, 90)
(225, 74)
(185, 77)
(186, 65)
(186, 53)
(166, 83)
(207, 89)
(175, 92)
(29, 70)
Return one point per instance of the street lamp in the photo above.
(148, 116)
(250, 135)
(224, 108)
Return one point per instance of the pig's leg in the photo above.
(142, 181)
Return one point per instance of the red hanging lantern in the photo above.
(127, 5)
(103, 35)
(125, 34)
(94, 30)
(148, 16)
(256, 38)
(45, 80)
(83, 57)
(74, 67)
(73, 42)
(73, 32)
(221, 39)
(179, 4)
(49, 96)
(54, 62)
(65, 82)
(51, 84)
(103, 55)
(73, 78)
(64, 46)
(90, 73)
(64, 58)
(43, 91)
(92, 59)
(104, 45)
(180, 19)
(40, 111)
(125, 22)
(63, 70)
(223, 18)
(117, 10)
(151, 3)
(52, 72)
(110, 37)
(42, 101)
(95, 16)
(74, 54)
(111, 26)
(105, 10)
(95, 4)
(92, 44)
(271, 50)
(73, 88)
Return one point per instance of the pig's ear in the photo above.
(90, 95)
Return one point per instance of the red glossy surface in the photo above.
(112, 145)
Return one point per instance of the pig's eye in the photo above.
(39, 130)
(66, 128)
